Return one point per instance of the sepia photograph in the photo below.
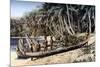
(43, 33)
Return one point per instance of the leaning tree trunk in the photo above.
(89, 23)
(69, 21)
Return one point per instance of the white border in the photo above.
(86, 2)
(4, 33)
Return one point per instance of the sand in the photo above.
(66, 57)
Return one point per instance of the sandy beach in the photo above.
(66, 57)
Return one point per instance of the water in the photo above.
(13, 43)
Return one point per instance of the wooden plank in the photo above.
(52, 52)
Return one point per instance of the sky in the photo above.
(19, 8)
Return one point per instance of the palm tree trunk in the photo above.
(69, 21)
(89, 23)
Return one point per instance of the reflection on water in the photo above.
(13, 43)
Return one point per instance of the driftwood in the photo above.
(59, 50)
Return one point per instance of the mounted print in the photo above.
(43, 33)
